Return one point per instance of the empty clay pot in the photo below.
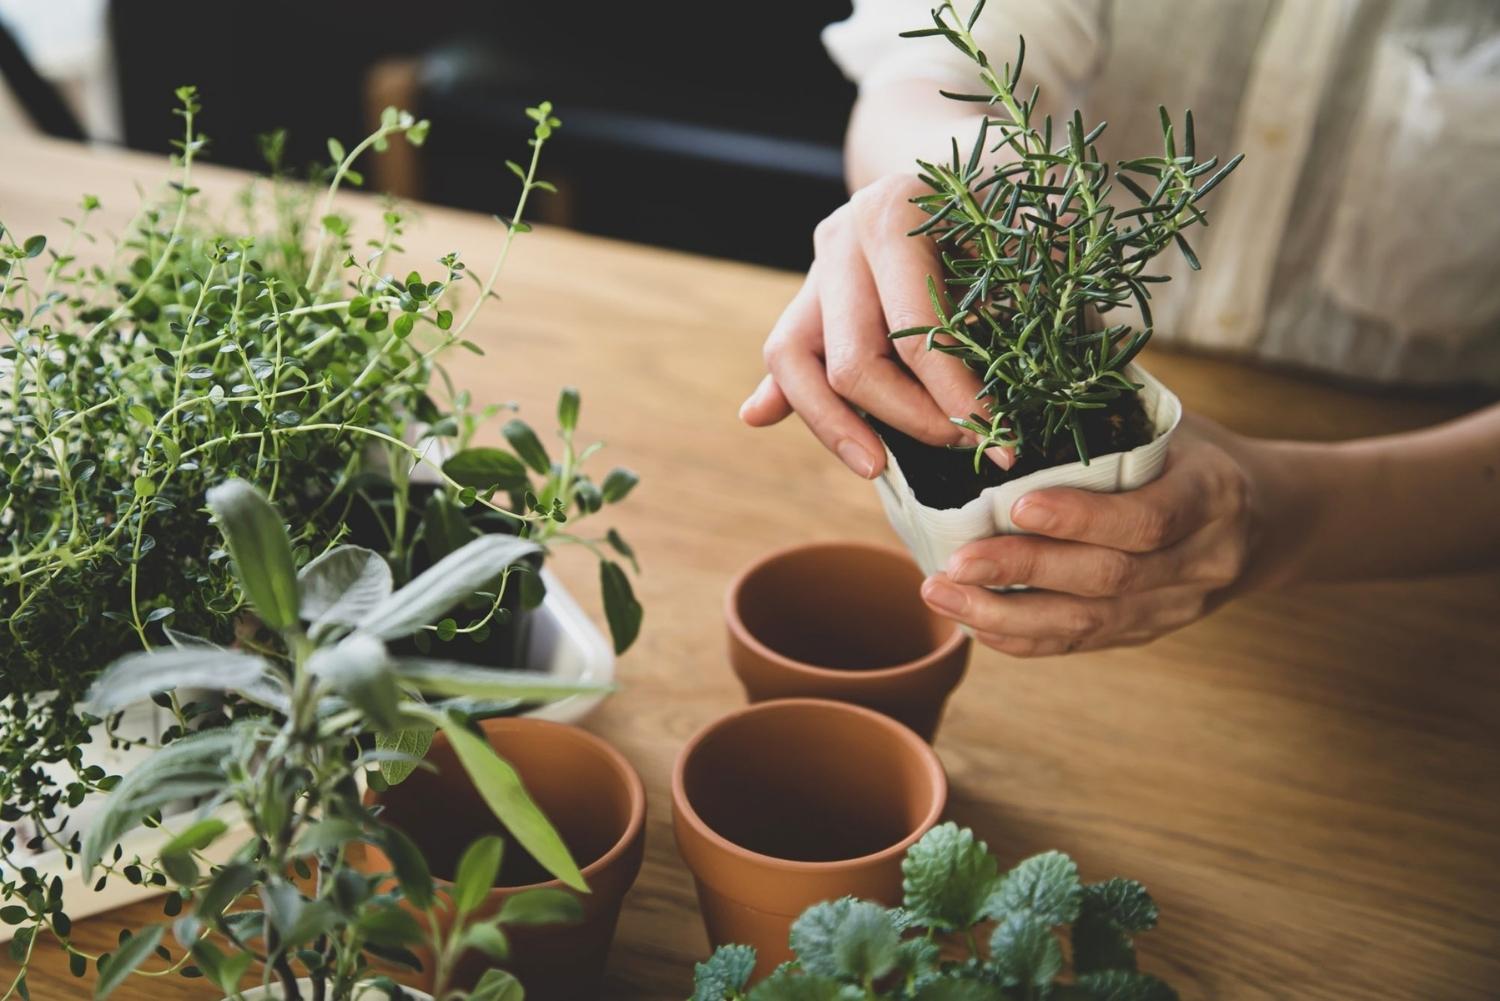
(844, 621)
(597, 803)
(786, 803)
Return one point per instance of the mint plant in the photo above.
(1035, 247)
(286, 765)
(965, 932)
(274, 344)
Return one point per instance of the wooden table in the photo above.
(1309, 781)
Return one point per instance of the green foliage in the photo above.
(288, 772)
(1034, 249)
(929, 949)
(270, 344)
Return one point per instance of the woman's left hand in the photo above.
(1113, 569)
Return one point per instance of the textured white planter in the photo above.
(934, 534)
(564, 643)
(275, 993)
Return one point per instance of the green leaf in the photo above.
(224, 888)
(124, 960)
(145, 486)
(851, 939)
(489, 940)
(543, 906)
(335, 150)
(410, 866)
(403, 326)
(527, 445)
(1123, 985)
(1122, 901)
(327, 835)
(359, 669)
(501, 788)
(34, 246)
(450, 580)
(947, 877)
(444, 528)
(195, 838)
(1024, 951)
(618, 484)
(497, 985)
(390, 925)
(261, 550)
(567, 410)
(486, 468)
(725, 973)
(413, 741)
(621, 608)
(1046, 885)
(1100, 944)
(340, 587)
(186, 768)
(786, 984)
(437, 677)
(478, 869)
(138, 676)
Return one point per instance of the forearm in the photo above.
(894, 124)
(1397, 506)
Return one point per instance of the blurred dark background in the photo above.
(709, 128)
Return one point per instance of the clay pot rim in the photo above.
(742, 633)
(634, 787)
(933, 765)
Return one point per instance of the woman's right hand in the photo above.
(832, 347)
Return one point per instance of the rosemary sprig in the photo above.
(1034, 248)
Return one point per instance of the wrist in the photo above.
(1293, 487)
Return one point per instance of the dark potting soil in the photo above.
(945, 477)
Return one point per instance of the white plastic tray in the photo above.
(564, 642)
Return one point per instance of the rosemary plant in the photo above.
(1034, 248)
(271, 344)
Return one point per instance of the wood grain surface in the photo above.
(1308, 781)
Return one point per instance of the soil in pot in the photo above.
(945, 477)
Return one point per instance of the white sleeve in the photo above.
(1064, 42)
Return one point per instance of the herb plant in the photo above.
(931, 948)
(287, 903)
(1033, 249)
(280, 350)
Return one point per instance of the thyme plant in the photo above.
(1034, 248)
(965, 932)
(282, 776)
(270, 343)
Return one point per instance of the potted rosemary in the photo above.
(282, 780)
(1042, 241)
(282, 351)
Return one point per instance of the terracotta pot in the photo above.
(597, 803)
(844, 621)
(786, 803)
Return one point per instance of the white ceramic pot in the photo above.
(934, 534)
(366, 993)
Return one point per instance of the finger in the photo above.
(798, 372)
(1155, 516)
(1023, 646)
(862, 365)
(1068, 567)
(1034, 614)
(766, 406)
(1139, 619)
(901, 267)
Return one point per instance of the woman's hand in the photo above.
(832, 345)
(1115, 569)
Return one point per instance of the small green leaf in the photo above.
(567, 410)
(947, 877)
(487, 939)
(502, 790)
(1024, 951)
(145, 486)
(413, 741)
(124, 960)
(34, 246)
(403, 326)
(341, 586)
(542, 906)
(450, 580)
(486, 468)
(359, 669)
(527, 445)
(848, 939)
(618, 484)
(1124, 985)
(261, 550)
(726, 972)
(478, 869)
(195, 838)
(497, 985)
(410, 866)
(1045, 885)
(621, 608)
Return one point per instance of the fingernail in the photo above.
(1030, 514)
(1002, 457)
(856, 458)
(973, 571)
(943, 596)
(746, 405)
